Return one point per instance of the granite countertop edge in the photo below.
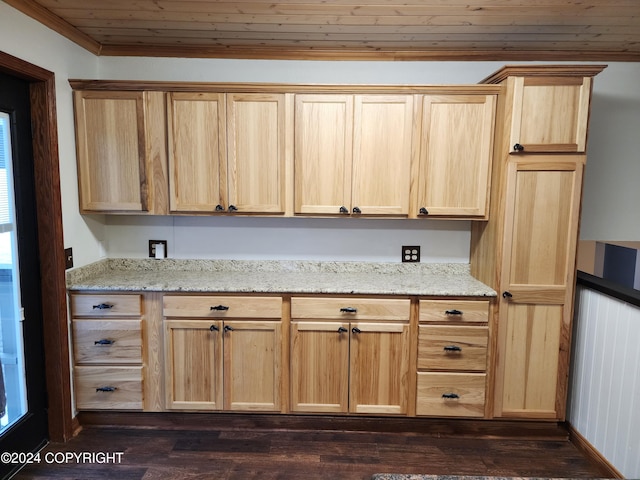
(278, 277)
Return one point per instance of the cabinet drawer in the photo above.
(210, 306)
(117, 388)
(105, 305)
(350, 308)
(452, 347)
(454, 311)
(107, 341)
(451, 394)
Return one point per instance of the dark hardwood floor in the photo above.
(266, 454)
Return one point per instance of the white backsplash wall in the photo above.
(340, 239)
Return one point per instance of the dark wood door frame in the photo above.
(50, 240)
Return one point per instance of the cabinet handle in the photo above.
(518, 148)
(104, 341)
(356, 330)
(220, 307)
(103, 306)
(349, 310)
(450, 395)
(423, 211)
(233, 208)
(342, 330)
(219, 208)
(344, 209)
(453, 312)
(214, 328)
(228, 328)
(357, 210)
(106, 389)
(506, 294)
(452, 348)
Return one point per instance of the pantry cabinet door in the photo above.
(323, 153)
(197, 152)
(382, 148)
(455, 155)
(256, 152)
(252, 360)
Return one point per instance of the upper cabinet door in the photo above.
(455, 155)
(197, 152)
(256, 152)
(112, 151)
(382, 148)
(550, 114)
(323, 153)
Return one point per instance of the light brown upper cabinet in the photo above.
(120, 153)
(353, 154)
(227, 152)
(455, 156)
(550, 114)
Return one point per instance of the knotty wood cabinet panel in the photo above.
(455, 155)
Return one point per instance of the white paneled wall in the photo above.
(604, 399)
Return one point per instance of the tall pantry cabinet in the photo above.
(526, 251)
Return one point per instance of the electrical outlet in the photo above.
(410, 254)
(152, 247)
(68, 258)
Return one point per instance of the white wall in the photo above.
(609, 202)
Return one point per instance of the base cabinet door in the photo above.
(252, 366)
(320, 367)
(193, 359)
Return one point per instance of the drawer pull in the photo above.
(450, 395)
(452, 348)
(104, 341)
(220, 308)
(103, 306)
(214, 328)
(342, 330)
(453, 312)
(106, 389)
(349, 310)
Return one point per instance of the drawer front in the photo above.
(107, 341)
(350, 308)
(451, 394)
(108, 388)
(452, 348)
(454, 311)
(105, 305)
(214, 306)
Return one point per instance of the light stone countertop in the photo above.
(280, 277)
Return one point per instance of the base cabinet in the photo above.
(350, 366)
(220, 356)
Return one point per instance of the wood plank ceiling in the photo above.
(581, 30)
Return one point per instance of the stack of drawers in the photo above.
(107, 347)
(452, 358)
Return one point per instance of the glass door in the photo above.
(13, 400)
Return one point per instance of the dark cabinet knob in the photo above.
(103, 306)
(219, 208)
(104, 341)
(344, 209)
(518, 148)
(423, 211)
(357, 210)
(349, 310)
(342, 330)
(450, 395)
(356, 330)
(228, 328)
(233, 208)
(106, 389)
(506, 295)
(453, 312)
(452, 348)
(214, 328)
(220, 308)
